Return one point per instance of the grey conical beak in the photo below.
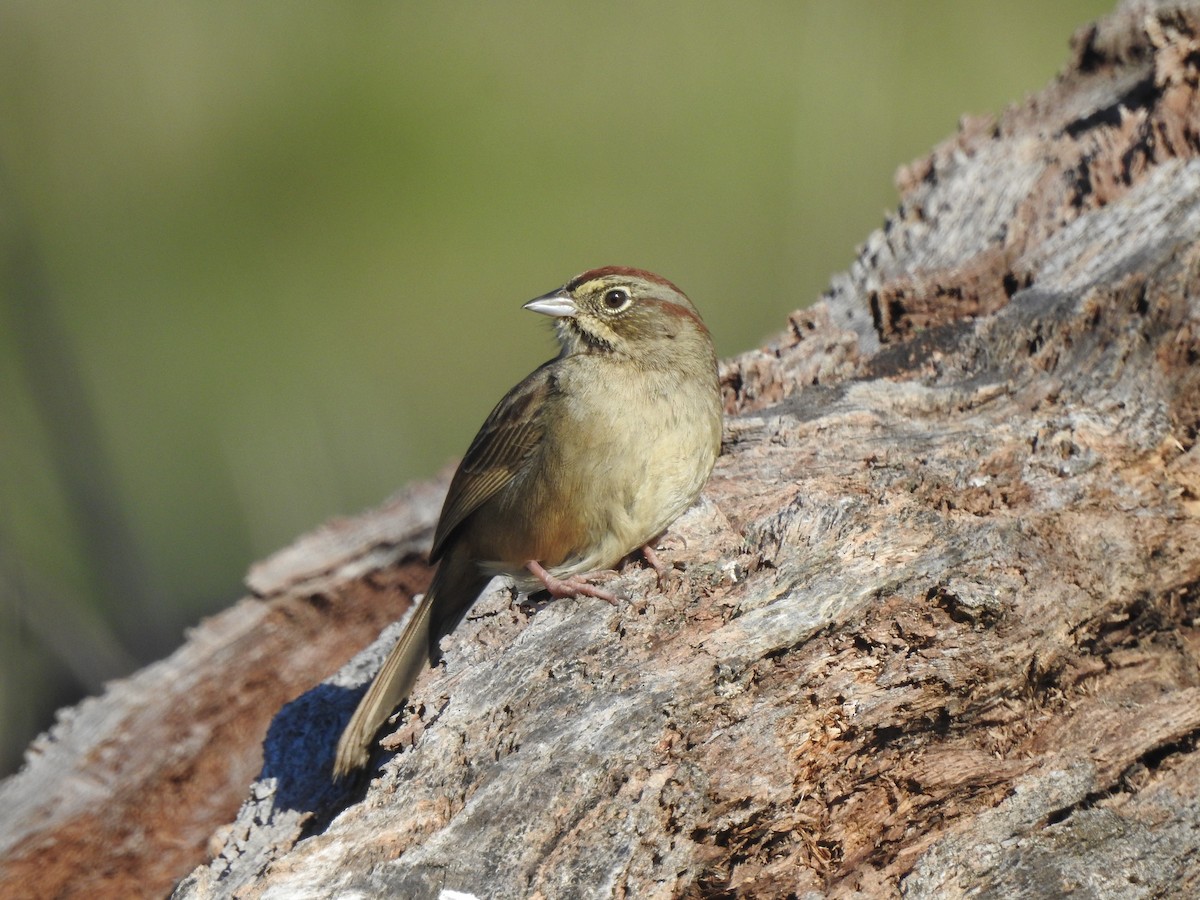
(556, 303)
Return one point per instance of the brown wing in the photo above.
(506, 439)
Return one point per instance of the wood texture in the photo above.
(933, 630)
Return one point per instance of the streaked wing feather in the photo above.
(505, 440)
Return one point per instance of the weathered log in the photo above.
(934, 627)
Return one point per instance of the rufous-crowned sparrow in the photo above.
(589, 458)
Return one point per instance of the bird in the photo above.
(584, 462)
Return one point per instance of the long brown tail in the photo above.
(454, 588)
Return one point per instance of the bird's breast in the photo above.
(620, 459)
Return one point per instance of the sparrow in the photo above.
(585, 461)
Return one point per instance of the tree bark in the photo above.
(933, 629)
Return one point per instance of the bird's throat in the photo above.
(582, 338)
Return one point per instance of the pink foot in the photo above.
(574, 586)
(660, 568)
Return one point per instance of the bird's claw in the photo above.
(574, 586)
(652, 559)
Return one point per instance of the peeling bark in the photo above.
(933, 629)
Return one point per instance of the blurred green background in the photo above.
(263, 263)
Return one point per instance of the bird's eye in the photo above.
(616, 299)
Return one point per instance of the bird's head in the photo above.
(626, 312)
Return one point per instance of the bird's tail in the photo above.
(454, 588)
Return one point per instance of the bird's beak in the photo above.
(556, 303)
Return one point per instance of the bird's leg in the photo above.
(660, 568)
(576, 585)
(649, 553)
